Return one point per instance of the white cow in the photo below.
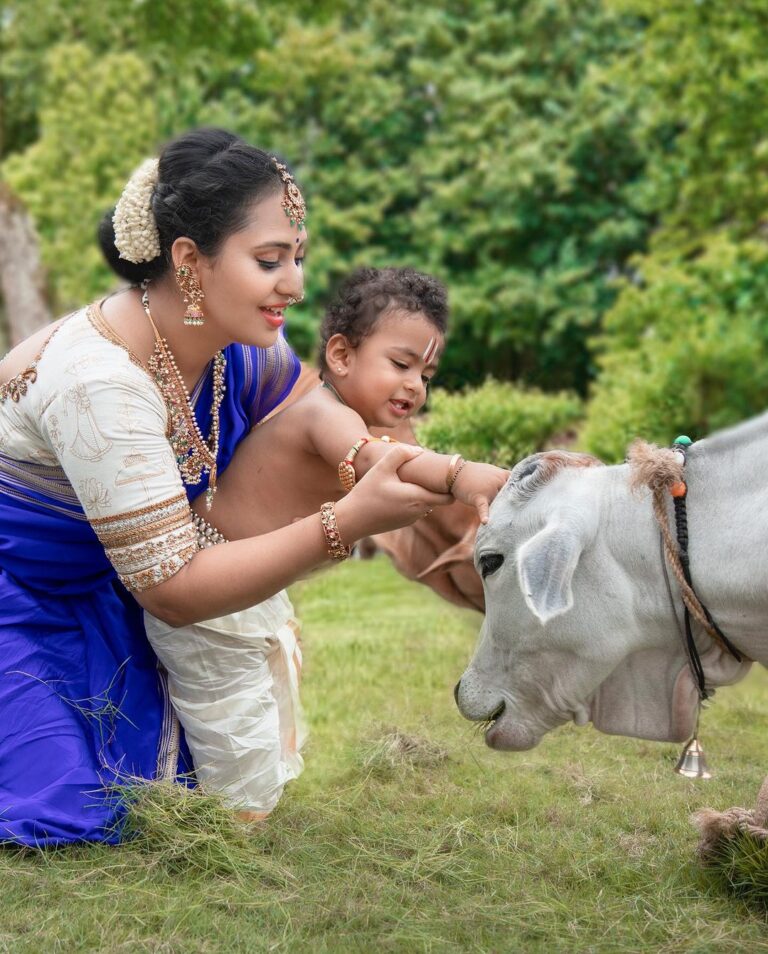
(580, 624)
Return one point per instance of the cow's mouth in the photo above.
(504, 734)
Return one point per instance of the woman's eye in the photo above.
(265, 263)
(300, 261)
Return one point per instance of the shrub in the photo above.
(497, 422)
(685, 352)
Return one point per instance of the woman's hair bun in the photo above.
(135, 274)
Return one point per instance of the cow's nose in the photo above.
(456, 691)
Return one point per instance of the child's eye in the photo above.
(267, 265)
(426, 380)
(400, 364)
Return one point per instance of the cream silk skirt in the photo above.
(234, 683)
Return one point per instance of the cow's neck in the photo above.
(727, 477)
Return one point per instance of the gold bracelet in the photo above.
(347, 476)
(455, 465)
(336, 549)
(456, 474)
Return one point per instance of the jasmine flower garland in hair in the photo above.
(136, 236)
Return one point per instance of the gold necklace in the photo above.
(329, 387)
(194, 455)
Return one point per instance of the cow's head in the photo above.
(579, 624)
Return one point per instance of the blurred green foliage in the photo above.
(496, 422)
(466, 139)
(685, 346)
(587, 176)
(686, 351)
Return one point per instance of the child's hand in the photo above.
(477, 485)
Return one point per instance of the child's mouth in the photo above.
(401, 408)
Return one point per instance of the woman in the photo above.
(111, 422)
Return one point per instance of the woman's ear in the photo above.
(185, 252)
(338, 352)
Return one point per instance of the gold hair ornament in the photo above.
(293, 201)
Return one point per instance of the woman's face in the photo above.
(257, 270)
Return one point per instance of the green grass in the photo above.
(405, 832)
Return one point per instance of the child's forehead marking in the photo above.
(430, 351)
(410, 353)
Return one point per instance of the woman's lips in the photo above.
(274, 319)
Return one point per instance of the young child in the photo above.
(234, 680)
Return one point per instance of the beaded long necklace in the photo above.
(195, 456)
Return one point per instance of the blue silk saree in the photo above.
(83, 704)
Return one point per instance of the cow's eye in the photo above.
(489, 563)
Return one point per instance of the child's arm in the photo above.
(334, 429)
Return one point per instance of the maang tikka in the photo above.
(192, 293)
(293, 201)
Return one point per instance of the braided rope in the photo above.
(672, 551)
(658, 469)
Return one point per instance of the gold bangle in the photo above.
(347, 476)
(455, 465)
(456, 474)
(336, 549)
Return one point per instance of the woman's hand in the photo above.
(381, 501)
(477, 485)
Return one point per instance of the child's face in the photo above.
(385, 378)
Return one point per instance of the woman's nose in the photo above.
(293, 285)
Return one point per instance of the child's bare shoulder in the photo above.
(327, 408)
(314, 413)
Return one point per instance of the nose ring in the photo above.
(295, 301)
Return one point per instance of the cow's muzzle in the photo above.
(480, 703)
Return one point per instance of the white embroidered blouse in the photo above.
(90, 424)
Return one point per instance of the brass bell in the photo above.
(692, 763)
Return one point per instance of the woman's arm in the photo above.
(233, 576)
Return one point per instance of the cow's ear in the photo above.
(546, 564)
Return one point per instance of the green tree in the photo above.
(96, 116)
(468, 139)
(684, 346)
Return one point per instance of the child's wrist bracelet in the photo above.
(347, 477)
(454, 467)
(336, 549)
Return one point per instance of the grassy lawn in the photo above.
(405, 833)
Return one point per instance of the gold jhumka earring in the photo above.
(193, 294)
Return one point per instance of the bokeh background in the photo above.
(587, 176)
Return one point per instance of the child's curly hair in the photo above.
(368, 294)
